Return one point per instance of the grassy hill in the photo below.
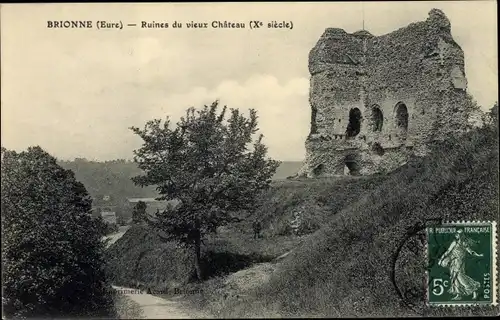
(316, 201)
(345, 269)
(140, 258)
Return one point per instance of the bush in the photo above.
(52, 251)
(141, 259)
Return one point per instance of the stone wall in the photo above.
(377, 100)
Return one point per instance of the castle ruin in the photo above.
(375, 101)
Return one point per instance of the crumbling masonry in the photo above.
(375, 101)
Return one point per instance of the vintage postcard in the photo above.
(249, 160)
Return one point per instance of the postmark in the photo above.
(461, 258)
(409, 267)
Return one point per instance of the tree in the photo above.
(139, 212)
(206, 164)
(52, 251)
(493, 114)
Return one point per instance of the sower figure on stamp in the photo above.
(454, 259)
(257, 228)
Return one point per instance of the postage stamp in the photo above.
(461, 259)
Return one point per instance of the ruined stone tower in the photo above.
(377, 100)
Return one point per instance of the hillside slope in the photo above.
(139, 258)
(111, 178)
(346, 268)
(312, 201)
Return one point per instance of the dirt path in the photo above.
(154, 307)
(115, 236)
(245, 280)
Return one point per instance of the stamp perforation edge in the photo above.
(494, 277)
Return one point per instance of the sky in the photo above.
(75, 92)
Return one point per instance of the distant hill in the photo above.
(113, 178)
(110, 178)
(286, 169)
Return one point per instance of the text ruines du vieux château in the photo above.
(89, 24)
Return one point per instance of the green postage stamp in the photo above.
(461, 261)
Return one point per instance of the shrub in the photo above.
(52, 251)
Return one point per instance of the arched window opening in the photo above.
(318, 170)
(351, 165)
(351, 168)
(377, 149)
(314, 127)
(377, 119)
(401, 116)
(354, 125)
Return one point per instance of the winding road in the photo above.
(115, 236)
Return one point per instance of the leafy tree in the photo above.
(52, 252)
(493, 114)
(139, 212)
(213, 167)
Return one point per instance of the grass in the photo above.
(141, 260)
(314, 200)
(232, 239)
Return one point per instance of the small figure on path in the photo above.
(257, 228)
